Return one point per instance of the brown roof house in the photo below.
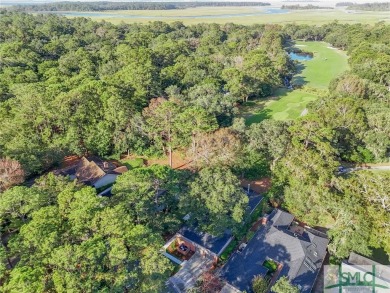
(94, 172)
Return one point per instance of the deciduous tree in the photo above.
(11, 173)
(283, 285)
(215, 200)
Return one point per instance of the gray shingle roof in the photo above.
(300, 255)
(212, 243)
(357, 259)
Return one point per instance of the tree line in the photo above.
(103, 6)
(377, 6)
(350, 124)
(304, 7)
(344, 4)
(78, 86)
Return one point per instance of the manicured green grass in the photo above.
(315, 77)
(286, 105)
(325, 66)
(133, 163)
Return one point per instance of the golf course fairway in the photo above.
(314, 76)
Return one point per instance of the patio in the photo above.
(191, 270)
(181, 249)
(194, 260)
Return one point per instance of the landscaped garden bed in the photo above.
(271, 265)
(229, 250)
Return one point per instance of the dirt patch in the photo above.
(179, 160)
(256, 225)
(69, 161)
(260, 186)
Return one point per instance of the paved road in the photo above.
(348, 170)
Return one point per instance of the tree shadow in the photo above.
(258, 117)
(299, 67)
(298, 80)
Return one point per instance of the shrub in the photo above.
(270, 265)
(250, 235)
(259, 284)
(229, 249)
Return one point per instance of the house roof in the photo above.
(300, 255)
(357, 259)
(88, 171)
(120, 170)
(227, 288)
(213, 243)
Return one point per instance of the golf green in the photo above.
(314, 77)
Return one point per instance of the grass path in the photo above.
(315, 77)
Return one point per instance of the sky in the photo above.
(269, 1)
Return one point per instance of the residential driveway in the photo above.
(349, 170)
(192, 269)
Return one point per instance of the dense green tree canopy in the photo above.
(74, 86)
(74, 241)
(78, 86)
(150, 195)
(260, 284)
(215, 200)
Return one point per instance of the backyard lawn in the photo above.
(314, 78)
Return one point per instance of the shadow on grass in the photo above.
(261, 113)
(280, 93)
(256, 118)
(299, 81)
(299, 67)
